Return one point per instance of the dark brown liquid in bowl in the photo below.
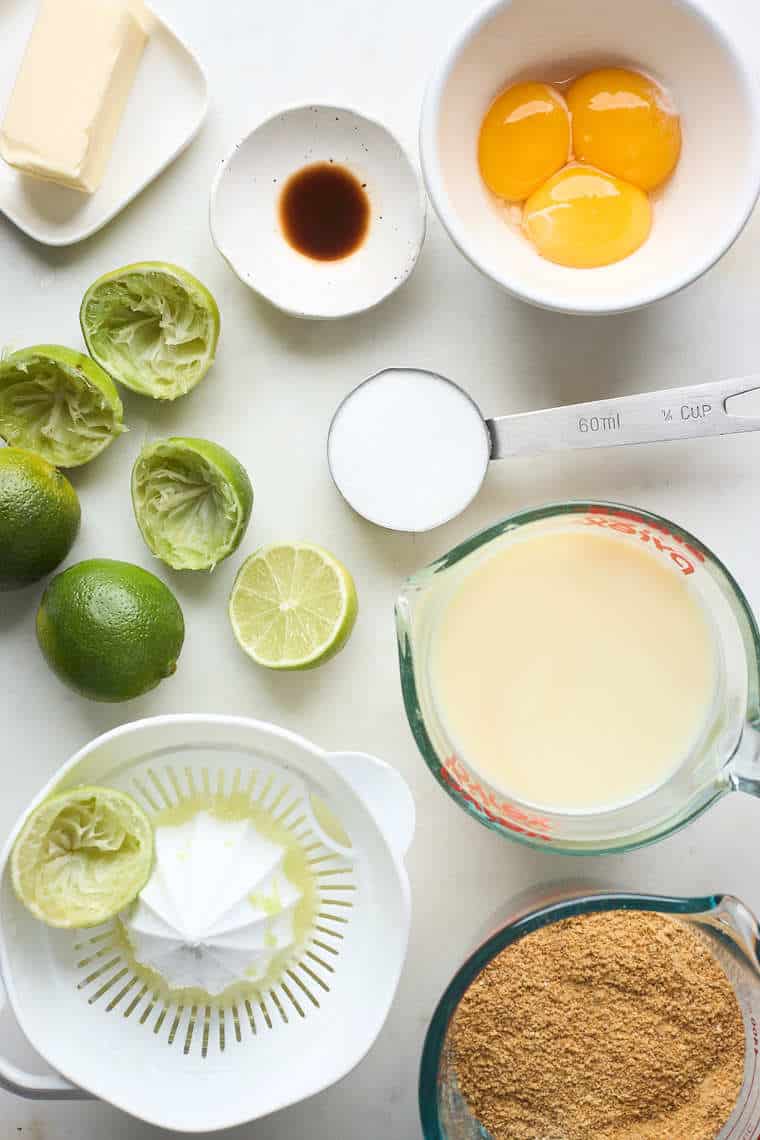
(324, 212)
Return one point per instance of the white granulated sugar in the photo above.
(408, 449)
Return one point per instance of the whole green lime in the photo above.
(110, 630)
(39, 517)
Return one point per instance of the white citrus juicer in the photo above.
(258, 964)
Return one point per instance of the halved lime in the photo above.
(59, 403)
(82, 856)
(192, 501)
(152, 326)
(292, 606)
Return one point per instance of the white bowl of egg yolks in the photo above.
(695, 215)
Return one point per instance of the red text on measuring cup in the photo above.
(656, 534)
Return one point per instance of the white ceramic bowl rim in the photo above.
(543, 298)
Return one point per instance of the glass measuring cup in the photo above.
(726, 755)
(734, 938)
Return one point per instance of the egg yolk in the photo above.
(624, 123)
(585, 218)
(524, 139)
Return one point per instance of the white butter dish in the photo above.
(164, 112)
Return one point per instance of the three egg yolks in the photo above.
(582, 166)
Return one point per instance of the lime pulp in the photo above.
(192, 501)
(82, 856)
(293, 606)
(152, 326)
(58, 403)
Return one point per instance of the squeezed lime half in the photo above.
(82, 856)
(58, 403)
(153, 327)
(293, 606)
(192, 501)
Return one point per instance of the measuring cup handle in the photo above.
(384, 791)
(34, 1085)
(647, 417)
(744, 767)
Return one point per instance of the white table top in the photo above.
(269, 399)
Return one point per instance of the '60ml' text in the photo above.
(599, 423)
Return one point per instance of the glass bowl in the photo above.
(732, 931)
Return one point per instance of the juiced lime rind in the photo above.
(293, 606)
(111, 631)
(152, 326)
(192, 501)
(82, 856)
(39, 517)
(58, 403)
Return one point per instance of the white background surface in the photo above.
(269, 399)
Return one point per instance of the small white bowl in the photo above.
(244, 214)
(699, 213)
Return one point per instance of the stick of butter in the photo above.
(70, 94)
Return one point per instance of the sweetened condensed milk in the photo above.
(575, 670)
